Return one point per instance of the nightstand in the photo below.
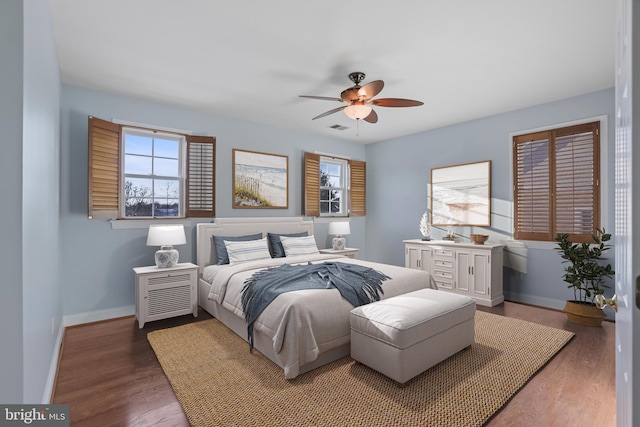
(348, 252)
(166, 292)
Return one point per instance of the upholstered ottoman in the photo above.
(404, 336)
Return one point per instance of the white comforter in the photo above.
(304, 324)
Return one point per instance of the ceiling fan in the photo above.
(357, 100)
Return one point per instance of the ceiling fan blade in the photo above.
(324, 98)
(372, 117)
(335, 110)
(395, 102)
(371, 89)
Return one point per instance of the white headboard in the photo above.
(241, 226)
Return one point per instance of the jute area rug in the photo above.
(219, 383)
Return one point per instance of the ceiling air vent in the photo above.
(338, 127)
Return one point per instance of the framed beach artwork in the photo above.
(260, 180)
(460, 194)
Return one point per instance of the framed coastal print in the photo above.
(460, 194)
(260, 180)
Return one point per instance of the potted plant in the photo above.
(586, 274)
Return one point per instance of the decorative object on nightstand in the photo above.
(425, 227)
(166, 236)
(339, 229)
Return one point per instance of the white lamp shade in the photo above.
(339, 228)
(166, 235)
(357, 111)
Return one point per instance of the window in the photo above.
(145, 173)
(152, 174)
(334, 186)
(557, 183)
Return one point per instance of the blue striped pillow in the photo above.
(251, 250)
(299, 245)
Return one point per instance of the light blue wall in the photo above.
(98, 261)
(11, 75)
(42, 294)
(29, 182)
(398, 171)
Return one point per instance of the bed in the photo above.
(300, 330)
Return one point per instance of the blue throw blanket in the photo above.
(357, 284)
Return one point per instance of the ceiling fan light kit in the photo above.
(357, 100)
(357, 111)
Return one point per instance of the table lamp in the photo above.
(339, 229)
(166, 236)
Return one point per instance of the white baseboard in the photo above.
(53, 368)
(534, 300)
(96, 316)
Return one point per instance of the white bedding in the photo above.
(303, 324)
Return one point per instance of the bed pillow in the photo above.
(294, 246)
(250, 250)
(277, 251)
(221, 249)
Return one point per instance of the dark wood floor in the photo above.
(109, 376)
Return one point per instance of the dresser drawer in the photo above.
(443, 284)
(446, 264)
(443, 252)
(439, 274)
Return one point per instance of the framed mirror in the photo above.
(461, 194)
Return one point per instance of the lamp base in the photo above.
(339, 243)
(166, 257)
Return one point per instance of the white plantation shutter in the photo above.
(556, 183)
(200, 194)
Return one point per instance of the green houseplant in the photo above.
(586, 274)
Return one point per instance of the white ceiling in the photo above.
(464, 59)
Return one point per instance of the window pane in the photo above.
(333, 169)
(324, 207)
(165, 189)
(138, 207)
(166, 148)
(137, 165)
(139, 188)
(324, 194)
(334, 181)
(136, 144)
(335, 207)
(166, 207)
(165, 167)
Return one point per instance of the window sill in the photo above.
(128, 224)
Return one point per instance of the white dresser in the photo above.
(464, 268)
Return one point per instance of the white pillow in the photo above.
(299, 245)
(250, 250)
